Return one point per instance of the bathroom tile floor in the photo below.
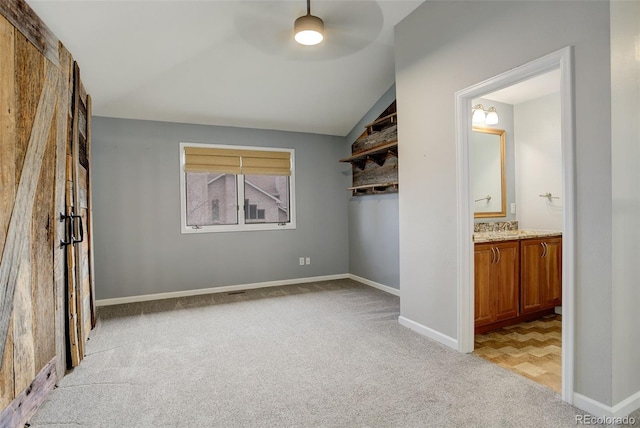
(532, 349)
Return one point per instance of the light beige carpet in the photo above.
(328, 354)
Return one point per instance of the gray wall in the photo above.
(441, 48)
(373, 219)
(625, 141)
(138, 245)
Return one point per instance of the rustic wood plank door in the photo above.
(38, 271)
(7, 182)
(81, 299)
(29, 85)
(81, 152)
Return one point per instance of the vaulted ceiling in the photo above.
(230, 62)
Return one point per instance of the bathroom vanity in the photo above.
(518, 276)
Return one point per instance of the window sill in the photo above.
(237, 228)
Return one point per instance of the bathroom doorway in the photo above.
(529, 340)
(521, 202)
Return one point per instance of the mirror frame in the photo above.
(503, 175)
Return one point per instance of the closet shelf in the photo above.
(377, 154)
(381, 123)
(374, 156)
(374, 188)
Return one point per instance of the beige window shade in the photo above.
(234, 161)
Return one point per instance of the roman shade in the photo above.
(237, 161)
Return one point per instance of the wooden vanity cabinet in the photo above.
(541, 270)
(497, 275)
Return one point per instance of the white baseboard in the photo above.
(417, 327)
(430, 333)
(374, 284)
(224, 289)
(620, 410)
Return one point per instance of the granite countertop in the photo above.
(512, 235)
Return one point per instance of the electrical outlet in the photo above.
(301, 261)
(308, 261)
(513, 208)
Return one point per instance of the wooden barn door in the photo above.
(46, 287)
(29, 89)
(80, 294)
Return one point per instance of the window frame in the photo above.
(240, 196)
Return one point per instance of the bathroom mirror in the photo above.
(488, 177)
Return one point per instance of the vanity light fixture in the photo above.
(308, 29)
(492, 116)
(478, 114)
(482, 116)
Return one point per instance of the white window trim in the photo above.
(241, 226)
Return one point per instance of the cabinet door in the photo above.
(551, 274)
(532, 251)
(506, 279)
(541, 281)
(483, 261)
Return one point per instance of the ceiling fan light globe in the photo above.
(308, 37)
(308, 30)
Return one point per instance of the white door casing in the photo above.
(562, 60)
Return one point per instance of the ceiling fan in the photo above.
(347, 26)
(308, 30)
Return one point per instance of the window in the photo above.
(234, 188)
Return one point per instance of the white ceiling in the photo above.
(536, 87)
(230, 62)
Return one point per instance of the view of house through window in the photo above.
(218, 197)
(266, 199)
(211, 199)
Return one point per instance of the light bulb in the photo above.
(308, 30)
(478, 114)
(492, 116)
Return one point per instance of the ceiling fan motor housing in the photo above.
(310, 24)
